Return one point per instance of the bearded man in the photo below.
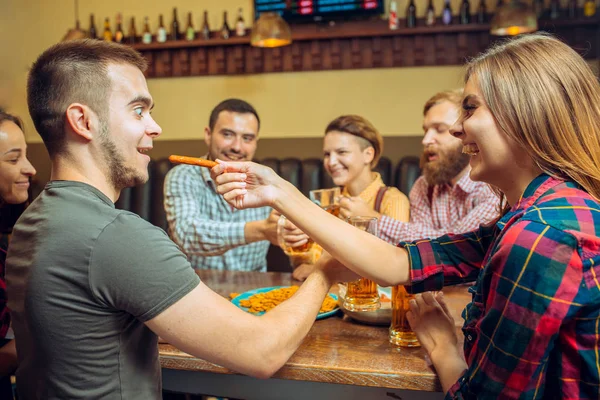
(444, 199)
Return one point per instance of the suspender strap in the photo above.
(379, 198)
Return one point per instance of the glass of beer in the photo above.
(291, 251)
(400, 332)
(327, 199)
(362, 295)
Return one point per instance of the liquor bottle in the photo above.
(132, 37)
(447, 13)
(174, 26)
(107, 34)
(225, 31)
(572, 9)
(482, 12)
(147, 35)
(554, 9)
(589, 8)
(205, 32)
(465, 12)
(93, 33)
(161, 33)
(119, 32)
(539, 9)
(240, 25)
(190, 33)
(430, 14)
(393, 18)
(411, 14)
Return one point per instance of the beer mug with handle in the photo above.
(362, 295)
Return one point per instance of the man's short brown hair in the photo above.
(453, 96)
(361, 128)
(70, 72)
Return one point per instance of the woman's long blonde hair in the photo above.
(544, 96)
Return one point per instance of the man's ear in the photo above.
(82, 120)
(207, 136)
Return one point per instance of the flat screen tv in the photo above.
(318, 10)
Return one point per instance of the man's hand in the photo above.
(334, 270)
(291, 235)
(356, 207)
(302, 271)
(246, 184)
(270, 227)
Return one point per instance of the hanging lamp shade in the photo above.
(77, 32)
(270, 30)
(513, 18)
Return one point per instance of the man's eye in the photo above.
(138, 111)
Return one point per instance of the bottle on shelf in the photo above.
(447, 13)
(119, 32)
(572, 11)
(174, 26)
(589, 8)
(393, 17)
(132, 36)
(240, 25)
(93, 32)
(146, 35)
(481, 12)
(465, 12)
(190, 33)
(225, 32)
(411, 14)
(554, 9)
(161, 33)
(205, 32)
(539, 8)
(430, 14)
(107, 34)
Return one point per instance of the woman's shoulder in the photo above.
(393, 193)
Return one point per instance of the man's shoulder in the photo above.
(184, 171)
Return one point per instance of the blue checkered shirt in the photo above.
(208, 229)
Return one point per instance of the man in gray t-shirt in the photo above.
(90, 287)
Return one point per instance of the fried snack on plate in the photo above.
(266, 301)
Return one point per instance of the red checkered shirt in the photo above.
(532, 330)
(441, 209)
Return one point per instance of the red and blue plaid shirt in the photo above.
(532, 330)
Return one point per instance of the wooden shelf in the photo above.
(348, 45)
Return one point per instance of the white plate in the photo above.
(383, 316)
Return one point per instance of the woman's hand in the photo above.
(246, 184)
(431, 320)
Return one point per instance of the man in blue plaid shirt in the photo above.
(204, 226)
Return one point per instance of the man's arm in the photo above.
(421, 227)
(208, 326)
(187, 201)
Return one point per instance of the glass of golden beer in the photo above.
(291, 251)
(400, 332)
(327, 199)
(362, 295)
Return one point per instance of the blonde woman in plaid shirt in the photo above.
(531, 123)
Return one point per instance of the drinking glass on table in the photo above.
(362, 294)
(329, 200)
(400, 332)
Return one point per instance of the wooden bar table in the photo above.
(338, 359)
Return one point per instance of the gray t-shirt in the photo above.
(82, 278)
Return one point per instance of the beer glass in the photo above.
(291, 251)
(327, 199)
(400, 332)
(362, 295)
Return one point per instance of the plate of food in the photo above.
(382, 316)
(261, 300)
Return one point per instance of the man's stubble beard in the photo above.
(450, 163)
(119, 174)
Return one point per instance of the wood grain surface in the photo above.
(337, 349)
